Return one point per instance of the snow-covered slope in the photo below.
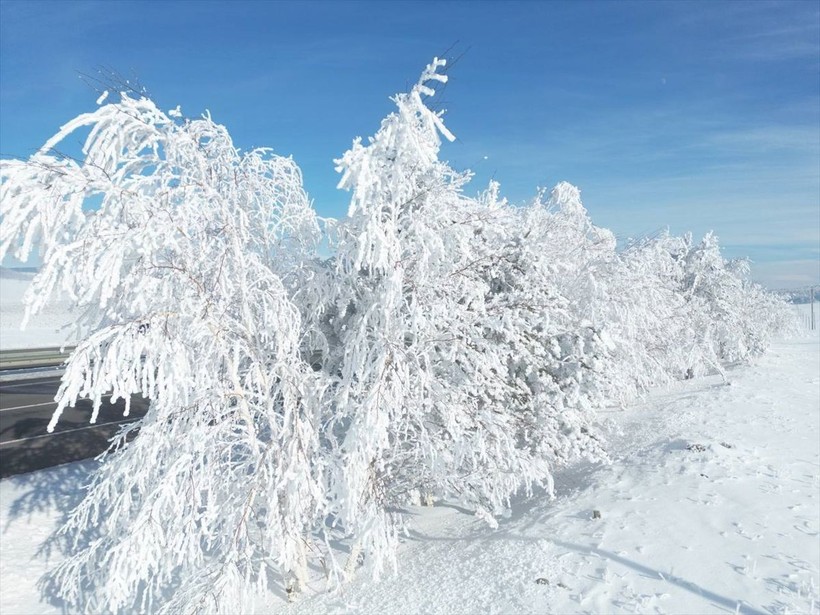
(711, 505)
(45, 329)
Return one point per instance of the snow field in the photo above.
(31, 508)
(710, 505)
(729, 526)
(44, 329)
(802, 312)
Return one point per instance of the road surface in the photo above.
(26, 407)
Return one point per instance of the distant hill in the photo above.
(800, 295)
(17, 273)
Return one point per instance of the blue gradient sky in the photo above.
(694, 115)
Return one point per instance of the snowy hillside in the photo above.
(43, 330)
(710, 505)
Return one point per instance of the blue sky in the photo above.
(693, 115)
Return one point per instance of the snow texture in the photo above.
(50, 327)
(711, 505)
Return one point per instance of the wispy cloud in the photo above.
(796, 139)
(778, 35)
(758, 31)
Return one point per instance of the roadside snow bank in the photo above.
(710, 505)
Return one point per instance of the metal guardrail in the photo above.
(34, 357)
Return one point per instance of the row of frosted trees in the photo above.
(450, 347)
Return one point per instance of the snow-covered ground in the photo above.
(803, 313)
(45, 329)
(711, 505)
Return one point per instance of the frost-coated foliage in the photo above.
(184, 278)
(450, 347)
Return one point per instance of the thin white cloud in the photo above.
(797, 139)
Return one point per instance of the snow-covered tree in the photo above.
(431, 336)
(183, 277)
(739, 317)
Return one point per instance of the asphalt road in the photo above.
(26, 407)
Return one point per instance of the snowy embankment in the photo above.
(711, 505)
(44, 329)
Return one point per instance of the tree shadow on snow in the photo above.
(717, 600)
(58, 490)
(735, 606)
(531, 512)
